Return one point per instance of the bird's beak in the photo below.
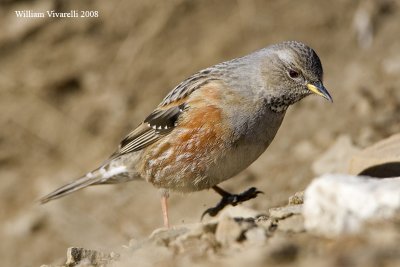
(320, 90)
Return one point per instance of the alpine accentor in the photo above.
(212, 125)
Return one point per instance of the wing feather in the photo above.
(165, 117)
(158, 124)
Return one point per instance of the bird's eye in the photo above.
(293, 74)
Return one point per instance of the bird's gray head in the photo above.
(291, 71)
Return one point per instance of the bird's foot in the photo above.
(230, 199)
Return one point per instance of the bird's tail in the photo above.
(102, 175)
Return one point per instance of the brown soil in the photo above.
(72, 88)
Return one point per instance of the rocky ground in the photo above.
(277, 239)
(340, 220)
(70, 89)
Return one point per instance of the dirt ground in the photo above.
(70, 89)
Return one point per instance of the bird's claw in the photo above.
(232, 199)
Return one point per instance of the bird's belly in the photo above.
(245, 151)
(234, 162)
(196, 159)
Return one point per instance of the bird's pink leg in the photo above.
(164, 207)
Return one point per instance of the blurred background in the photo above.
(71, 88)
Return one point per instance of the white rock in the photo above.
(336, 203)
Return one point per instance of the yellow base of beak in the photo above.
(321, 91)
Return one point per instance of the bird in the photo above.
(212, 125)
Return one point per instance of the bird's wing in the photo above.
(158, 124)
(188, 86)
(165, 117)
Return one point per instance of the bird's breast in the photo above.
(252, 137)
